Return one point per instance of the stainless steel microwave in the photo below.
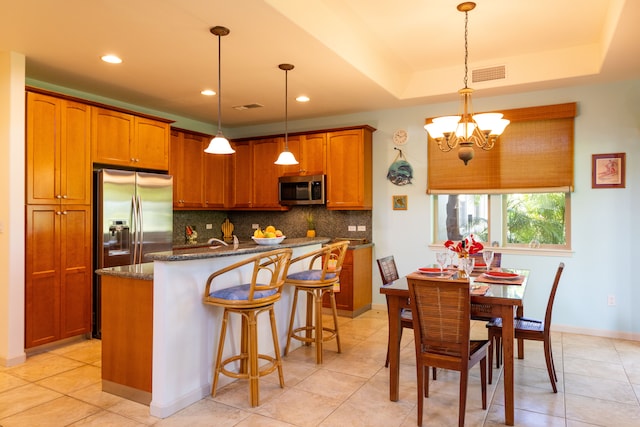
(302, 190)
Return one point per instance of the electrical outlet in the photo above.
(209, 226)
(611, 300)
(362, 228)
(351, 228)
(255, 226)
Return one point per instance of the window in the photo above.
(533, 220)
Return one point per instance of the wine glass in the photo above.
(488, 258)
(468, 265)
(441, 258)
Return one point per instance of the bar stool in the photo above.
(249, 300)
(316, 283)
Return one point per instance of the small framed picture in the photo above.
(399, 203)
(608, 170)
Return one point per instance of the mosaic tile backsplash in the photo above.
(293, 223)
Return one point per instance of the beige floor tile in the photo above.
(94, 395)
(299, 407)
(8, 381)
(617, 391)
(330, 384)
(495, 418)
(89, 351)
(23, 398)
(534, 399)
(601, 412)
(134, 411)
(106, 418)
(256, 420)
(236, 394)
(59, 412)
(205, 412)
(75, 379)
(43, 366)
(594, 368)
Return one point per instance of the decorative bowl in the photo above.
(269, 240)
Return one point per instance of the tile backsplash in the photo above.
(293, 223)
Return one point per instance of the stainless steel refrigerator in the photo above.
(133, 216)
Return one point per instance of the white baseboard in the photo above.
(596, 332)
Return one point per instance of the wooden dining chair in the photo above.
(389, 274)
(442, 324)
(529, 329)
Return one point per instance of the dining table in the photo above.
(499, 297)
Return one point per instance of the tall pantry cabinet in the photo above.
(58, 219)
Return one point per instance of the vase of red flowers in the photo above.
(464, 247)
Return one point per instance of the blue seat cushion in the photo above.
(310, 275)
(241, 293)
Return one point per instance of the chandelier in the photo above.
(467, 129)
(286, 157)
(219, 144)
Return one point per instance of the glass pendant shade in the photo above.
(286, 158)
(219, 145)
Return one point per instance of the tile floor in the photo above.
(599, 385)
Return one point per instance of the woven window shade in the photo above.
(534, 154)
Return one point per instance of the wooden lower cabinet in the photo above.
(58, 273)
(354, 297)
(127, 337)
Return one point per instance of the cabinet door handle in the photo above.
(64, 212)
(58, 196)
(58, 213)
(64, 197)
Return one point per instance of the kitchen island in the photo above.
(166, 310)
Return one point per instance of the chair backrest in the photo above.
(331, 257)
(388, 270)
(441, 317)
(552, 297)
(267, 277)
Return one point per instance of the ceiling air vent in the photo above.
(247, 106)
(486, 74)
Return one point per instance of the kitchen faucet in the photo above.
(213, 239)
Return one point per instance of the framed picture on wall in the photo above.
(399, 203)
(608, 170)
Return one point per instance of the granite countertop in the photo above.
(193, 252)
(138, 272)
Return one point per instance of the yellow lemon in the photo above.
(270, 229)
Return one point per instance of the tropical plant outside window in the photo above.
(529, 220)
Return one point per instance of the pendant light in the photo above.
(467, 129)
(286, 157)
(219, 144)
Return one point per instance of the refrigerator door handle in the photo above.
(134, 228)
(140, 230)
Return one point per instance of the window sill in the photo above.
(521, 251)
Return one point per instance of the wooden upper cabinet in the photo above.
(58, 151)
(265, 173)
(217, 180)
(123, 139)
(241, 174)
(309, 150)
(151, 144)
(349, 157)
(187, 159)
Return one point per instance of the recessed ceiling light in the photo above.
(302, 98)
(208, 92)
(111, 59)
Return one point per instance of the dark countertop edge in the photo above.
(138, 272)
(186, 254)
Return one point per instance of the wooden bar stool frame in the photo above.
(260, 297)
(316, 283)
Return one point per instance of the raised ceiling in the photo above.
(349, 55)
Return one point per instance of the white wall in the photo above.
(12, 240)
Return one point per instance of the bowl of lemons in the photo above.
(269, 236)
